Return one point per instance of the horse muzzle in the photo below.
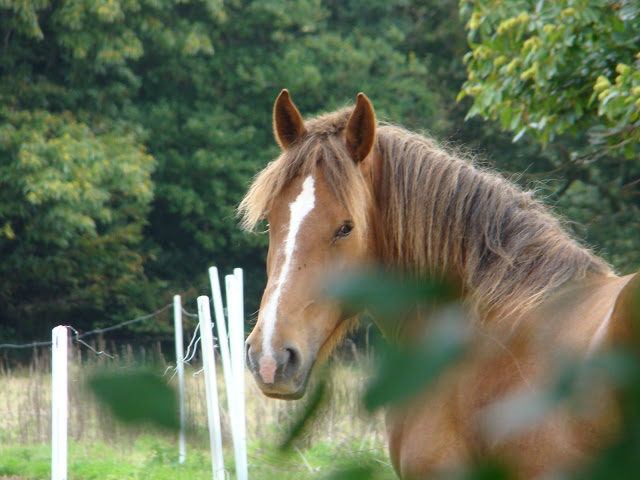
(283, 374)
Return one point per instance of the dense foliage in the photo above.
(73, 203)
(131, 128)
(567, 73)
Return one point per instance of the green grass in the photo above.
(155, 458)
(341, 436)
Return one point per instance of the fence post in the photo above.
(239, 347)
(177, 322)
(236, 339)
(215, 436)
(59, 403)
(223, 339)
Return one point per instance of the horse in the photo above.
(347, 191)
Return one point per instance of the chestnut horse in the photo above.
(348, 191)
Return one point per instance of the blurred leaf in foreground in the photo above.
(352, 473)
(137, 397)
(388, 296)
(396, 302)
(397, 377)
(304, 418)
(491, 470)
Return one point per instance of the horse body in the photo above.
(345, 192)
(503, 363)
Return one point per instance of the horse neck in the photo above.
(439, 215)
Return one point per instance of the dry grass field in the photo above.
(341, 433)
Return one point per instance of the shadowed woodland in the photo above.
(131, 130)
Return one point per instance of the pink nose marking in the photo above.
(268, 369)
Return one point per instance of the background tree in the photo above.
(75, 183)
(72, 208)
(191, 86)
(567, 73)
(169, 103)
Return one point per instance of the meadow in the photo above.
(341, 435)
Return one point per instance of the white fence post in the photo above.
(236, 332)
(177, 322)
(59, 403)
(215, 435)
(223, 338)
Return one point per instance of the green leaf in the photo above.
(404, 372)
(304, 417)
(387, 295)
(492, 469)
(353, 473)
(137, 397)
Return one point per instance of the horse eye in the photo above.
(343, 231)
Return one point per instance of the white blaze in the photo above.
(299, 209)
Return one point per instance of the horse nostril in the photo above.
(247, 355)
(293, 362)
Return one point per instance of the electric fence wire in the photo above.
(78, 336)
(188, 357)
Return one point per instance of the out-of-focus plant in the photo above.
(137, 396)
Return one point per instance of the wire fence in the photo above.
(79, 336)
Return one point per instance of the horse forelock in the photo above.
(321, 148)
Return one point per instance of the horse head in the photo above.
(312, 232)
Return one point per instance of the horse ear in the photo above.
(360, 132)
(287, 121)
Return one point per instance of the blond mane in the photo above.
(438, 213)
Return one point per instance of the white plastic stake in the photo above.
(238, 326)
(239, 343)
(223, 338)
(59, 403)
(215, 435)
(236, 340)
(177, 323)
